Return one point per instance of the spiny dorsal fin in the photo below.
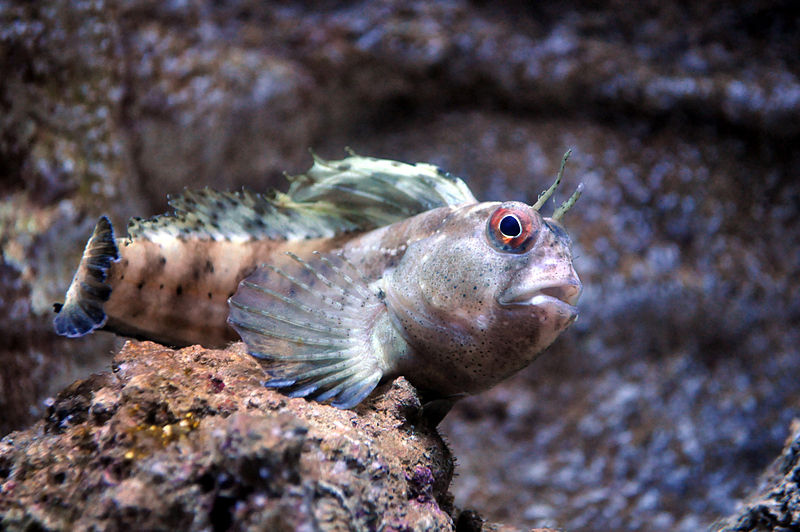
(353, 194)
(324, 342)
(378, 192)
(242, 215)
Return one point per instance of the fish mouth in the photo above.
(561, 295)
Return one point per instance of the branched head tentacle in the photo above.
(544, 196)
(567, 205)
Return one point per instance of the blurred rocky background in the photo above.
(659, 409)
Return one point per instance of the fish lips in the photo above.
(559, 297)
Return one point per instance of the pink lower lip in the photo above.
(565, 293)
(543, 299)
(539, 300)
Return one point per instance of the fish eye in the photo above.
(512, 227)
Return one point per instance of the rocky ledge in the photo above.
(191, 440)
(775, 504)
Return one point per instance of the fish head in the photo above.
(484, 293)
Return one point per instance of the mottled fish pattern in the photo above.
(363, 270)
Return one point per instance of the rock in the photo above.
(191, 440)
(775, 505)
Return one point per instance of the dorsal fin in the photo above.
(353, 194)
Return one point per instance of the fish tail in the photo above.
(82, 311)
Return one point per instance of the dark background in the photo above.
(676, 387)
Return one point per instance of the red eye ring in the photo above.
(511, 228)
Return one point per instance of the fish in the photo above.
(364, 270)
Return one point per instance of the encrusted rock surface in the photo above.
(775, 504)
(191, 440)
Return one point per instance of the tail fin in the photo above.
(82, 312)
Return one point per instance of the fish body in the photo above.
(371, 270)
(176, 291)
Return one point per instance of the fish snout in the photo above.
(561, 292)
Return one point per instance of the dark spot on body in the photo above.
(209, 266)
(162, 260)
(209, 295)
(140, 285)
(161, 286)
(179, 290)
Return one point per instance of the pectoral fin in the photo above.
(316, 322)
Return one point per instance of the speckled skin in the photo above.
(450, 293)
(175, 291)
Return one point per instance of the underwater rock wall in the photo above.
(775, 503)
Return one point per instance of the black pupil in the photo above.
(510, 227)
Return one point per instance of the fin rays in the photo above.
(311, 321)
(327, 282)
(287, 300)
(300, 340)
(82, 311)
(330, 329)
(353, 194)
